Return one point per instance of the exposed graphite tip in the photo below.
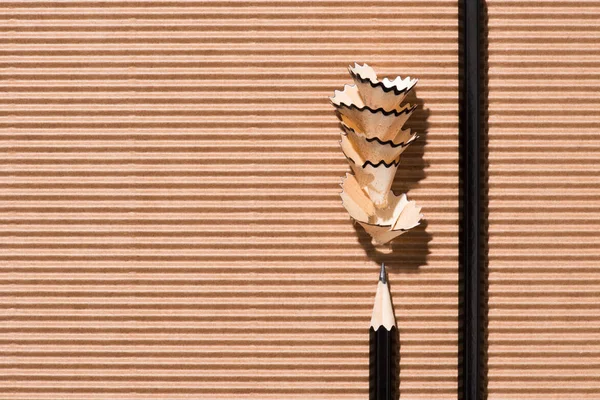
(382, 277)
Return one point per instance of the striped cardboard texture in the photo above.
(170, 219)
(544, 153)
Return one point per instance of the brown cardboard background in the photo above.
(544, 153)
(170, 219)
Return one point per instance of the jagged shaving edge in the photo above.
(386, 226)
(356, 73)
(406, 109)
(337, 94)
(346, 128)
(380, 163)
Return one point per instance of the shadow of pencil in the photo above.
(396, 353)
(484, 199)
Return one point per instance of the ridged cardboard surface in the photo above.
(170, 214)
(544, 143)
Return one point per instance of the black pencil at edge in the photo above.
(383, 345)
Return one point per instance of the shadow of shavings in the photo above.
(405, 254)
(396, 350)
(412, 162)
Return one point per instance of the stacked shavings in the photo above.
(372, 116)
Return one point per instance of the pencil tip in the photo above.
(382, 277)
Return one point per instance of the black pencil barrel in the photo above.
(383, 364)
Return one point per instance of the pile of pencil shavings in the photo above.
(372, 116)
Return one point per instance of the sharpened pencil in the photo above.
(383, 343)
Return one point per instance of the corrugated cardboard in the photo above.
(544, 153)
(170, 214)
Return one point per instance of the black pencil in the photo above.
(383, 343)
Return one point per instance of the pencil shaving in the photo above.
(387, 94)
(372, 116)
(385, 125)
(365, 148)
